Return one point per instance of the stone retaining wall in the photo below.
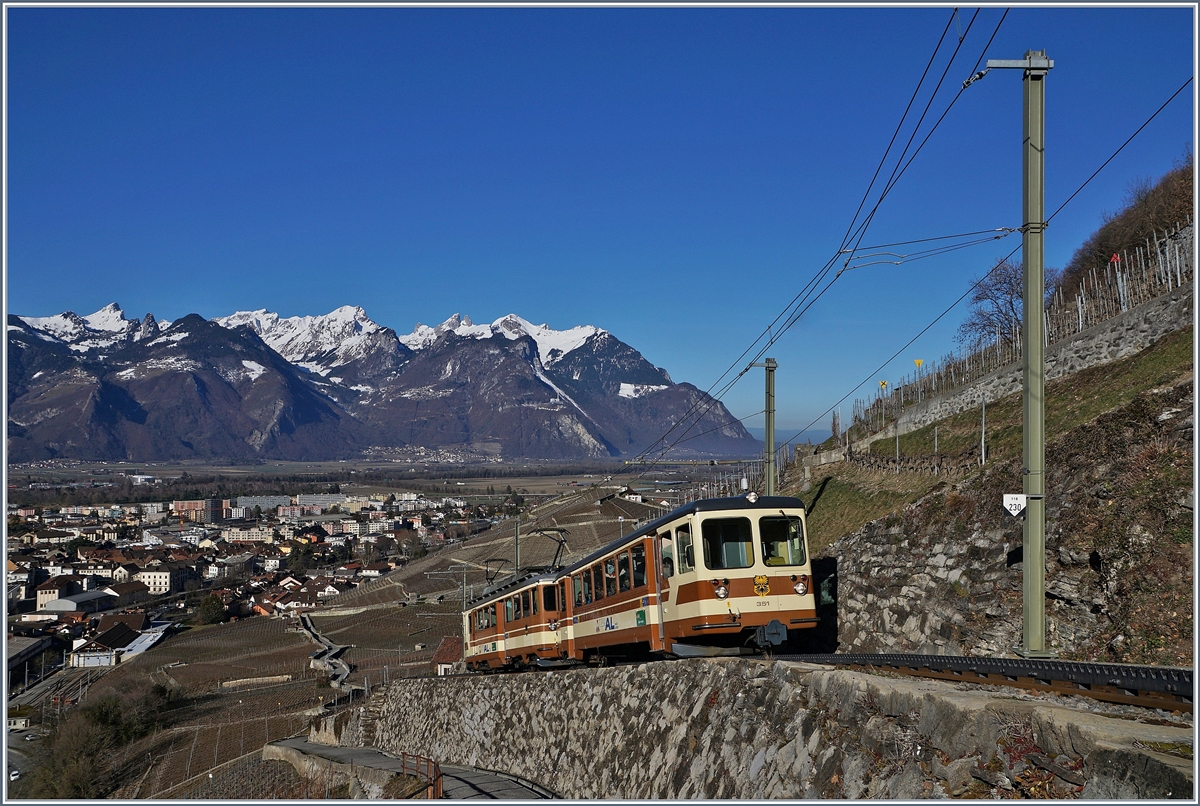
(363, 782)
(1123, 335)
(756, 729)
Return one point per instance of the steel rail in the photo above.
(1168, 688)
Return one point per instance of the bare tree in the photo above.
(1149, 209)
(996, 304)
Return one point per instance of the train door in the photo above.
(665, 570)
(679, 567)
(566, 633)
(575, 604)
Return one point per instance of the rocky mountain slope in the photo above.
(943, 573)
(256, 385)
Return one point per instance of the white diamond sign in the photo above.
(1014, 503)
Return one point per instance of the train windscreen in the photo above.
(782, 540)
(727, 543)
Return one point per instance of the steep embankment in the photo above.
(844, 496)
(942, 571)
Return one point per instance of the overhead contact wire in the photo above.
(852, 231)
(977, 283)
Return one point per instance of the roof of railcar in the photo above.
(740, 502)
(701, 505)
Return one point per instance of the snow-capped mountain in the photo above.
(102, 331)
(320, 344)
(196, 391)
(552, 344)
(254, 384)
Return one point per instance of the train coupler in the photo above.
(772, 633)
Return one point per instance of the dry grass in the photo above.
(844, 498)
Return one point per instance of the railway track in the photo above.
(1166, 688)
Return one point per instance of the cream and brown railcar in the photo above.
(716, 576)
(516, 624)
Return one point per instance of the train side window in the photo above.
(525, 610)
(508, 610)
(782, 540)
(550, 598)
(687, 559)
(577, 586)
(668, 554)
(562, 593)
(623, 579)
(639, 565)
(492, 616)
(598, 580)
(727, 543)
(610, 577)
(533, 599)
(587, 586)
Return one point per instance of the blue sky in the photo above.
(674, 176)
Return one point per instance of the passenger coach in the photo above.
(716, 576)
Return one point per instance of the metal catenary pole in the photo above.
(769, 448)
(1035, 66)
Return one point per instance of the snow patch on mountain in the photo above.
(63, 326)
(552, 344)
(170, 364)
(108, 318)
(635, 390)
(253, 369)
(561, 394)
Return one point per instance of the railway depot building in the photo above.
(105, 649)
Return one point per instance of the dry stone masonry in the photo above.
(756, 729)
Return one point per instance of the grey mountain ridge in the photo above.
(255, 385)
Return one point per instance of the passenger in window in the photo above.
(639, 566)
(623, 572)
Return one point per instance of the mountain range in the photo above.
(255, 385)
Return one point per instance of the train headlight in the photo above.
(722, 592)
(801, 587)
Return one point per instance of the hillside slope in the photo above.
(925, 563)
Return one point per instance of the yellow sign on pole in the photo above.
(883, 384)
(918, 362)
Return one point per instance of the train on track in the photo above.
(718, 576)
